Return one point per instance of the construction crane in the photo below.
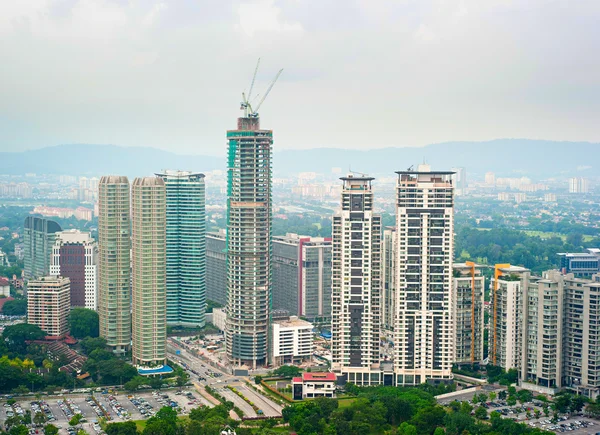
(246, 105)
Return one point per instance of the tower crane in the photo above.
(246, 105)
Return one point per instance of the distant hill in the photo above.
(505, 157)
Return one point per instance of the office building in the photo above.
(468, 285)
(48, 305)
(580, 264)
(356, 284)
(216, 267)
(507, 303)
(114, 277)
(292, 341)
(578, 185)
(38, 238)
(388, 286)
(302, 276)
(424, 333)
(186, 248)
(249, 245)
(149, 283)
(75, 256)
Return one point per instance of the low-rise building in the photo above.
(580, 264)
(48, 305)
(311, 385)
(219, 318)
(292, 341)
(4, 287)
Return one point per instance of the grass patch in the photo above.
(141, 424)
(544, 235)
(345, 403)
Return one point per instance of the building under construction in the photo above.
(249, 244)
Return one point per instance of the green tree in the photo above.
(167, 414)
(18, 430)
(511, 401)
(502, 395)
(90, 344)
(493, 396)
(126, 428)
(17, 336)
(39, 418)
(158, 427)
(481, 413)
(258, 379)
(16, 307)
(525, 396)
(75, 420)
(50, 429)
(287, 371)
(84, 323)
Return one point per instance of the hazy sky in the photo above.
(357, 73)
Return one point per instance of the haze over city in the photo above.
(359, 74)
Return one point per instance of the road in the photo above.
(237, 401)
(269, 408)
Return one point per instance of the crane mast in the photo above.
(246, 105)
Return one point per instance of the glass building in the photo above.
(38, 238)
(186, 248)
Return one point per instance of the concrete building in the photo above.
(38, 238)
(508, 290)
(578, 185)
(292, 341)
(249, 244)
(216, 267)
(490, 179)
(75, 256)
(149, 284)
(48, 305)
(4, 287)
(468, 285)
(311, 385)
(356, 284)
(219, 318)
(424, 333)
(302, 276)
(388, 287)
(580, 264)
(186, 248)
(114, 244)
(459, 181)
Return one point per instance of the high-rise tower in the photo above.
(356, 285)
(423, 344)
(149, 285)
(38, 238)
(186, 248)
(249, 246)
(114, 294)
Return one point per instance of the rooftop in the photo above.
(319, 376)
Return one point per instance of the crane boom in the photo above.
(254, 113)
(253, 79)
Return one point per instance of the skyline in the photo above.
(170, 75)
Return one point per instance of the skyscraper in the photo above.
(423, 341)
(356, 285)
(48, 305)
(249, 247)
(149, 283)
(38, 238)
(75, 256)
(388, 276)
(114, 294)
(216, 267)
(186, 248)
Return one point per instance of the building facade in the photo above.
(48, 305)
(578, 185)
(292, 341)
(388, 287)
(311, 385)
(186, 248)
(508, 290)
(114, 277)
(424, 333)
(216, 267)
(38, 238)
(580, 264)
(468, 285)
(356, 284)
(249, 244)
(75, 256)
(302, 276)
(149, 284)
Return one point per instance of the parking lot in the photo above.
(116, 408)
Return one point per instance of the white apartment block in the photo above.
(48, 305)
(292, 341)
(356, 284)
(75, 255)
(578, 185)
(424, 330)
(388, 273)
(507, 296)
(467, 307)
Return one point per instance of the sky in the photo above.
(358, 74)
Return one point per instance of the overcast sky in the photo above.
(357, 73)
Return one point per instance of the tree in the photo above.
(481, 413)
(158, 427)
(50, 429)
(17, 336)
(511, 401)
(502, 395)
(90, 344)
(537, 413)
(287, 371)
(183, 377)
(75, 420)
(167, 414)
(525, 396)
(39, 418)
(16, 307)
(127, 428)
(493, 396)
(84, 323)
(482, 398)
(258, 379)
(18, 430)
